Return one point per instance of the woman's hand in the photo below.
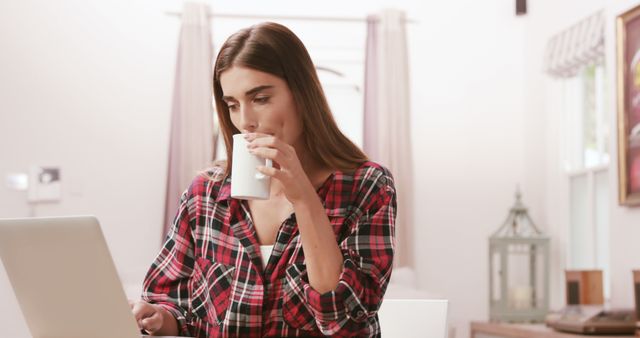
(290, 173)
(152, 318)
(322, 255)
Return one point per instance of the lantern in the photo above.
(518, 269)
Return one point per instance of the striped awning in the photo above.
(576, 47)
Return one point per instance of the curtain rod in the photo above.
(281, 17)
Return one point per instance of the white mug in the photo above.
(247, 183)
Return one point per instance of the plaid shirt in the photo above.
(209, 273)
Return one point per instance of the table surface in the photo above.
(526, 331)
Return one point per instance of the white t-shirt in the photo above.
(265, 251)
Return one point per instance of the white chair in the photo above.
(404, 318)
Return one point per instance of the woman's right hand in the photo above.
(151, 318)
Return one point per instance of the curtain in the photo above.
(387, 132)
(192, 140)
(576, 47)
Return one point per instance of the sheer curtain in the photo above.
(387, 132)
(192, 142)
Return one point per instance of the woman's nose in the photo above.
(248, 120)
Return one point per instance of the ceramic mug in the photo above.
(247, 183)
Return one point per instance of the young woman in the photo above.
(312, 260)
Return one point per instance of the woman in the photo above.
(330, 216)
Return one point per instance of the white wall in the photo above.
(547, 18)
(468, 126)
(87, 85)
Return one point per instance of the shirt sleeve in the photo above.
(166, 281)
(368, 259)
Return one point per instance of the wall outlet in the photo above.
(44, 184)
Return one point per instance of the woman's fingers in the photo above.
(147, 316)
(271, 172)
(141, 309)
(250, 137)
(270, 153)
(152, 323)
(270, 147)
(267, 141)
(287, 167)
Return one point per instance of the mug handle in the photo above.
(268, 163)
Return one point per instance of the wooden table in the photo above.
(501, 330)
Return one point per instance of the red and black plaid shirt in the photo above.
(210, 276)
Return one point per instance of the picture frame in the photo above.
(628, 102)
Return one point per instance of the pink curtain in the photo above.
(192, 141)
(387, 132)
(370, 95)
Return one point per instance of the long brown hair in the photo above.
(272, 48)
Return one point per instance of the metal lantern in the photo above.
(518, 269)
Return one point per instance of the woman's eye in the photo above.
(232, 107)
(261, 99)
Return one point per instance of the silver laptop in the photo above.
(64, 278)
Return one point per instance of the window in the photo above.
(588, 130)
(342, 84)
(587, 167)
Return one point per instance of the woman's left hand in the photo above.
(290, 173)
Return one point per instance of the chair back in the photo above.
(413, 318)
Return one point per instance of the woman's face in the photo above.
(261, 102)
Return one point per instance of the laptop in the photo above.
(64, 278)
(413, 318)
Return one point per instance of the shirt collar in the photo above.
(225, 190)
